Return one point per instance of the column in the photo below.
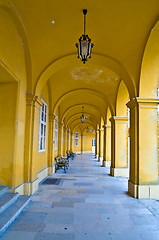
(71, 135)
(64, 140)
(108, 145)
(143, 181)
(101, 139)
(51, 143)
(60, 138)
(97, 144)
(119, 165)
(81, 142)
(31, 144)
(104, 146)
(68, 140)
(73, 141)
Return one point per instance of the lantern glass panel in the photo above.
(84, 48)
(89, 50)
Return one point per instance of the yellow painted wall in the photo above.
(8, 101)
(122, 100)
(20, 136)
(87, 139)
(77, 149)
(11, 45)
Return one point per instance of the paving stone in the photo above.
(38, 217)
(144, 219)
(73, 200)
(60, 218)
(18, 235)
(83, 184)
(92, 236)
(60, 228)
(88, 204)
(126, 237)
(87, 191)
(26, 227)
(150, 236)
(54, 236)
(63, 204)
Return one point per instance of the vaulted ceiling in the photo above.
(45, 35)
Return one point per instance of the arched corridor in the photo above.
(87, 204)
(55, 100)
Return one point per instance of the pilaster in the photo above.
(119, 166)
(107, 145)
(101, 139)
(60, 134)
(68, 139)
(33, 104)
(81, 142)
(71, 142)
(64, 140)
(97, 144)
(143, 182)
(51, 140)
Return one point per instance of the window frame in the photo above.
(42, 130)
(76, 138)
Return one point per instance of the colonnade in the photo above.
(112, 147)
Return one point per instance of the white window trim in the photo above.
(44, 124)
(76, 138)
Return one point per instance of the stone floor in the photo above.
(87, 204)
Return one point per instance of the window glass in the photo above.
(76, 139)
(42, 127)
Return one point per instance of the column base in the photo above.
(143, 191)
(51, 170)
(106, 163)
(119, 172)
(96, 156)
(100, 159)
(26, 188)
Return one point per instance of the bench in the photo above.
(61, 162)
(70, 154)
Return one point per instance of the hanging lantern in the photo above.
(84, 46)
(82, 117)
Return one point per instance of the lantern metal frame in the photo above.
(84, 46)
(82, 117)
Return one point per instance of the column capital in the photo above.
(65, 128)
(52, 117)
(118, 118)
(101, 129)
(143, 102)
(60, 124)
(33, 100)
(106, 125)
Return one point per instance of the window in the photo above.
(42, 127)
(76, 139)
(56, 134)
(93, 142)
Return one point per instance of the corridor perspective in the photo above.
(79, 78)
(86, 204)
